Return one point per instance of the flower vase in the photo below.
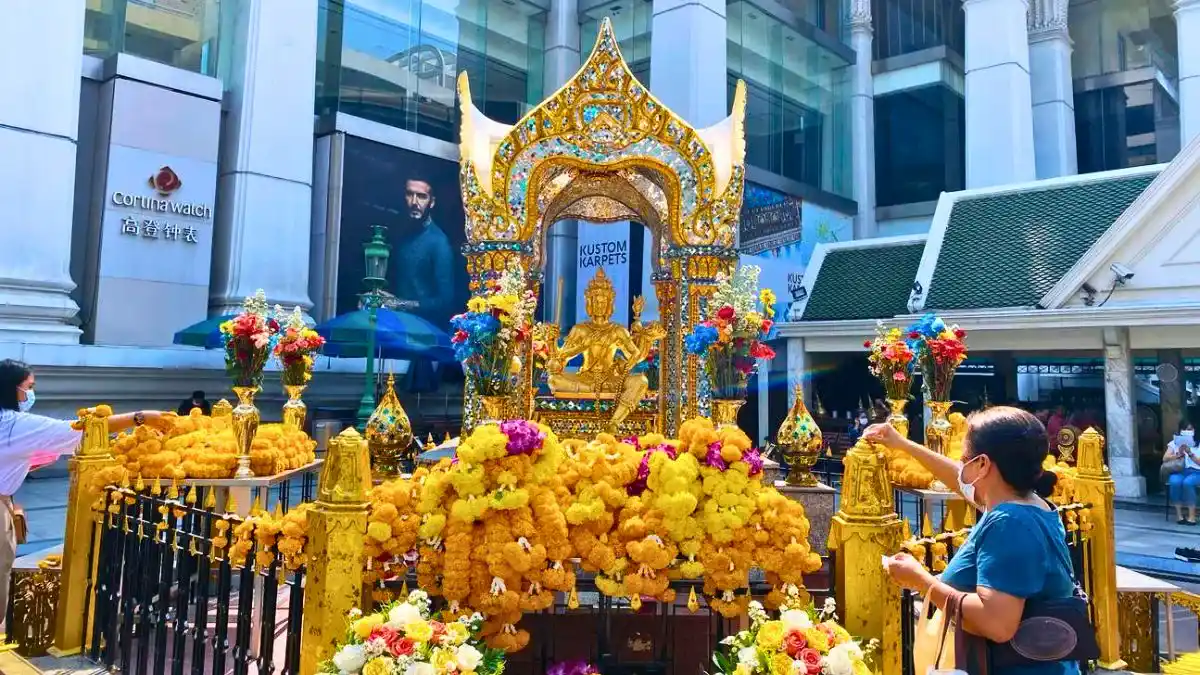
(725, 411)
(245, 427)
(903, 471)
(897, 417)
(801, 440)
(294, 411)
(493, 409)
(938, 431)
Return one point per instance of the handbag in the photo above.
(970, 653)
(1054, 629)
(1169, 468)
(931, 648)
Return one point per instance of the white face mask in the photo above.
(1188, 432)
(967, 489)
(27, 404)
(863, 421)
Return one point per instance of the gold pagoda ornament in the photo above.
(389, 436)
(801, 440)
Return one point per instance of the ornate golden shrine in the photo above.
(603, 149)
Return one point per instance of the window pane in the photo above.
(906, 26)
(179, 33)
(1121, 127)
(919, 137)
(1113, 36)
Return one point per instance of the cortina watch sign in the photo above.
(165, 182)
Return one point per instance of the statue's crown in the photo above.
(600, 284)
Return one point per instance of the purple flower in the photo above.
(524, 437)
(638, 486)
(633, 440)
(572, 668)
(754, 458)
(713, 458)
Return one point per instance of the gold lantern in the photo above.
(389, 435)
(801, 441)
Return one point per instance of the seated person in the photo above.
(1182, 485)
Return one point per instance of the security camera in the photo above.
(1120, 272)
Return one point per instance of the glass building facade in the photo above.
(798, 97)
(920, 136)
(179, 33)
(909, 26)
(632, 27)
(1125, 68)
(396, 61)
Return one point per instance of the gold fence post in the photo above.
(336, 528)
(92, 458)
(1095, 487)
(864, 530)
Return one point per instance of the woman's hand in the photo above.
(906, 572)
(884, 434)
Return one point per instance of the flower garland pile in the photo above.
(405, 638)
(802, 641)
(732, 336)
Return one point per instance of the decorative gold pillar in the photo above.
(92, 458)
(863, 531)
(1095, 487)
(336, 527)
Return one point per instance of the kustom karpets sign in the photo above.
(165, 182)
(604, 246)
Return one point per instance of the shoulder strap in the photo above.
(951, 615)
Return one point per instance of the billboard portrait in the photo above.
(417, 198)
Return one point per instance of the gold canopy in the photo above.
(602, 148)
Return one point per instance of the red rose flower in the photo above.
(794, 643)
(811, 659)
(725, 313)
(960, 333)
(914, 335)
(867, 344)
(401, 646)
(165, 181)
(767, 324)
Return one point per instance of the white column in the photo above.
(1187, 26)
(999, 122)
(264, 210)
(798, 371)
(41, 52)
(1120, 419)
(862, 113)
(687, 59)
(562, 60)
(1051, 89)
(763, 382)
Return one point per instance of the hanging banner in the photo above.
(607, 246)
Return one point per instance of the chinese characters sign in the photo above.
(165, 182)
(153, 228)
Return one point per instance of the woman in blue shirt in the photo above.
(1017, 551)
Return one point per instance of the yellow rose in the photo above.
(742, 669)
(419, 631)
(366, 625)
(781, 664)
(457, 632)
(817, 640)
(770, 636)
(443, 660)
(380, 665)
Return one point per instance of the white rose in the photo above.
(420, 668)
(795, 619)
(748, 656)
(468, 658)
(350, 659)
(402, 615)
(840, 660)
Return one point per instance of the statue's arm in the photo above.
(573, 346)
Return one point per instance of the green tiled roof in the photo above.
(1009, 250)
(864, 283)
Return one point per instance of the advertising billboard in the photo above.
(417, 198)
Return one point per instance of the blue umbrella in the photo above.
(398, 335)
(206, 334)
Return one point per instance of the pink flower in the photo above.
(899, 376)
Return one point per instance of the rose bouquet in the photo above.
(732, 336)
(488, 336)
(940, 350)
(295, 348)
(891, 360)
(406, 639)
(249, 337)
(802, 641)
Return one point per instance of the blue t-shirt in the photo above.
(1009, 551)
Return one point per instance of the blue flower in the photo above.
(700, 339)
(928, 326)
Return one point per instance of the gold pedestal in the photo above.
(1095, 486)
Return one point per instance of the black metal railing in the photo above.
(166, 583)
(936, 551)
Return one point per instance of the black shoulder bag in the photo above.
(1051, 629)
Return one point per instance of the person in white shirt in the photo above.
(27, 439)
(1182, 485)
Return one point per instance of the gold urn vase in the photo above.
(294, 411)
(493, 411)
(725, 411)
(938, 431)
(245, 427)
(389, 436)
(800, 439)
(897, 417)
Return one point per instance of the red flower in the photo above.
(914, 335)
(460, 336)
(401, 646)
(439, 629)
(960, 333)
(811, 659)
(794, 643)
(767, 324)
(867, 344)
(273, 325)
(899, 376)
(725, 313)
(761, 350)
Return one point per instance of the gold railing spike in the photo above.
(969, 518)
(140, 484)
(277, 512)
(926, 526)
(190, 500)
(950, 522)
(155, 488)
(210, 499)
(231, 504)
(256, 508)
(173, 493)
